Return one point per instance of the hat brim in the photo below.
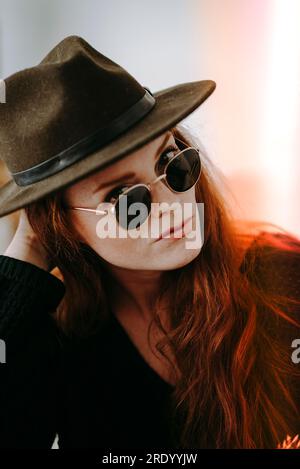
(172, 105)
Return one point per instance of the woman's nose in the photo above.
(163, 200)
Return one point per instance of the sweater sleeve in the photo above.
(277, 269)
(30, 354)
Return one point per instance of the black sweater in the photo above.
(96, 393)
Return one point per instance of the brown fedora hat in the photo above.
(76, 112)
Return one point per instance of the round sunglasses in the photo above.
(178, 170)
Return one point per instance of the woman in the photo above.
(126, 342)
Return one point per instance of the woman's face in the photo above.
(118, 246)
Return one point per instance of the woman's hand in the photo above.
(25, 245)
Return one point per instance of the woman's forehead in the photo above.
(118, 166)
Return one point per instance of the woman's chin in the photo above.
(175, 257)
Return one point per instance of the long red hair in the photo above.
(237, 380)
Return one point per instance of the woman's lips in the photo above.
(174, 229)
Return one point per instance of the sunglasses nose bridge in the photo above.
(161, 178)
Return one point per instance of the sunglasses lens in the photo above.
(184, 170)
(133, 208)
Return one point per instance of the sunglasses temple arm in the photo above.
(102, 212)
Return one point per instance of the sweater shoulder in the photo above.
(272, 264)
(273, 260)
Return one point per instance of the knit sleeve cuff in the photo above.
(48, 288)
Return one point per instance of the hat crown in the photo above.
(73, 92)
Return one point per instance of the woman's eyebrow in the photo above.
(132, 174)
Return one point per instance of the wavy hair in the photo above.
(236, 387)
